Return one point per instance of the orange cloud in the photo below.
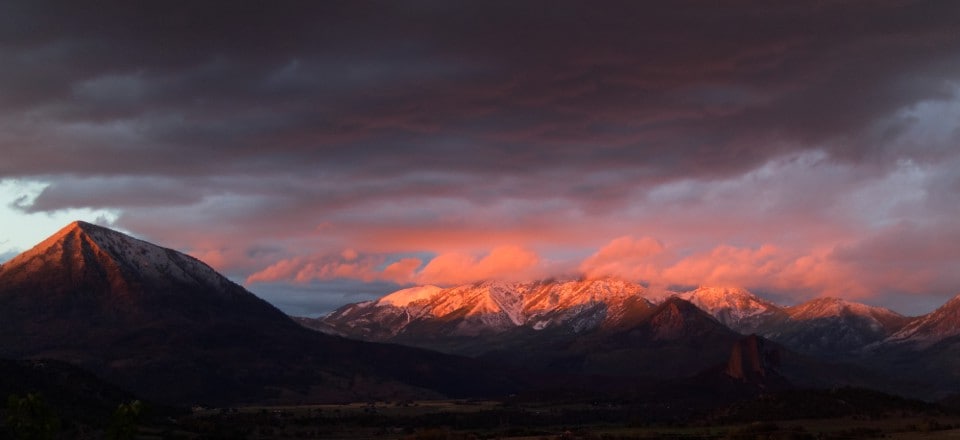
(727, 266)
(401, 272)
(625, 257)
(349, 254)
(766, 267)
(348, 264)
(504, 262)
(281, 270)
(643, 259)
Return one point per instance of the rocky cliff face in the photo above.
(752, 359)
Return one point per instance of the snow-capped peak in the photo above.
(730, 297)
(499, 306)
(827, 307)
(735, 307)
(124, 257)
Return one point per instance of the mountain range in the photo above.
(435, 317)
(167, 327)
(615, 327)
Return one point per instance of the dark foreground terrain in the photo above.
(826, 414)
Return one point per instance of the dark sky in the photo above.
(325, 152)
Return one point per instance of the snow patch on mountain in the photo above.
(153, 261)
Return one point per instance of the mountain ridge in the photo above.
(832, 328)
(487, 307)
(926, 330)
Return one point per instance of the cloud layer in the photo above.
(801, 148)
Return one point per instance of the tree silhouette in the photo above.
(123, 424)
(29, 418)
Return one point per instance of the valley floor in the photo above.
(453, 420)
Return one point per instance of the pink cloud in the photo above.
(727, 265)
(625, 257)
(891, 260)
(281, 270)
(402, 271)
(349, 254)
(766, 267)
(214, 258)
(643, 259)
(321, 267)
(505, 262)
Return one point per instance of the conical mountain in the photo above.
(168, 327)
(78, 288)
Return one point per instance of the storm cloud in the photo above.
(256, 136)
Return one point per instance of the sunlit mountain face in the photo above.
(479, 317)
(615, 328)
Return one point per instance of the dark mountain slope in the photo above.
(673, 339)
(168, 327)
(926, 351)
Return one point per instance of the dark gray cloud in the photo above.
(233, 128)
(123, 191)
(491, 88)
